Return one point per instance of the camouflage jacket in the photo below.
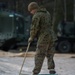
(41, 24)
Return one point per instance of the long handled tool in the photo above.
(24, 58)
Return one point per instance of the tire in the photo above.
(8, 44)
(74, 47)
(64, 46)
(13, 46)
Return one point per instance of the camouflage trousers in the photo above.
(44, 49)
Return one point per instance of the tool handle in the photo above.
(24, 58)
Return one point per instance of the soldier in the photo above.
(41, 27)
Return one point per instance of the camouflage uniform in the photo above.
(41, 27)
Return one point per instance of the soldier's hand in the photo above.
(30, 40)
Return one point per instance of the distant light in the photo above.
(11, 15)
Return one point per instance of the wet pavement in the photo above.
(65, 65)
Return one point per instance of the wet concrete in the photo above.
(65, 65)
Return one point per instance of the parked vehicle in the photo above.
(14, 30)
(66, 37)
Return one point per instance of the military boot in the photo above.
(35, 74)
(52, 71)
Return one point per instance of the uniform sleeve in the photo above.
(35, 26)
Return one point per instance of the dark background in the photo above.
(20, 6)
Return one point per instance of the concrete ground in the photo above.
(11, 64)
